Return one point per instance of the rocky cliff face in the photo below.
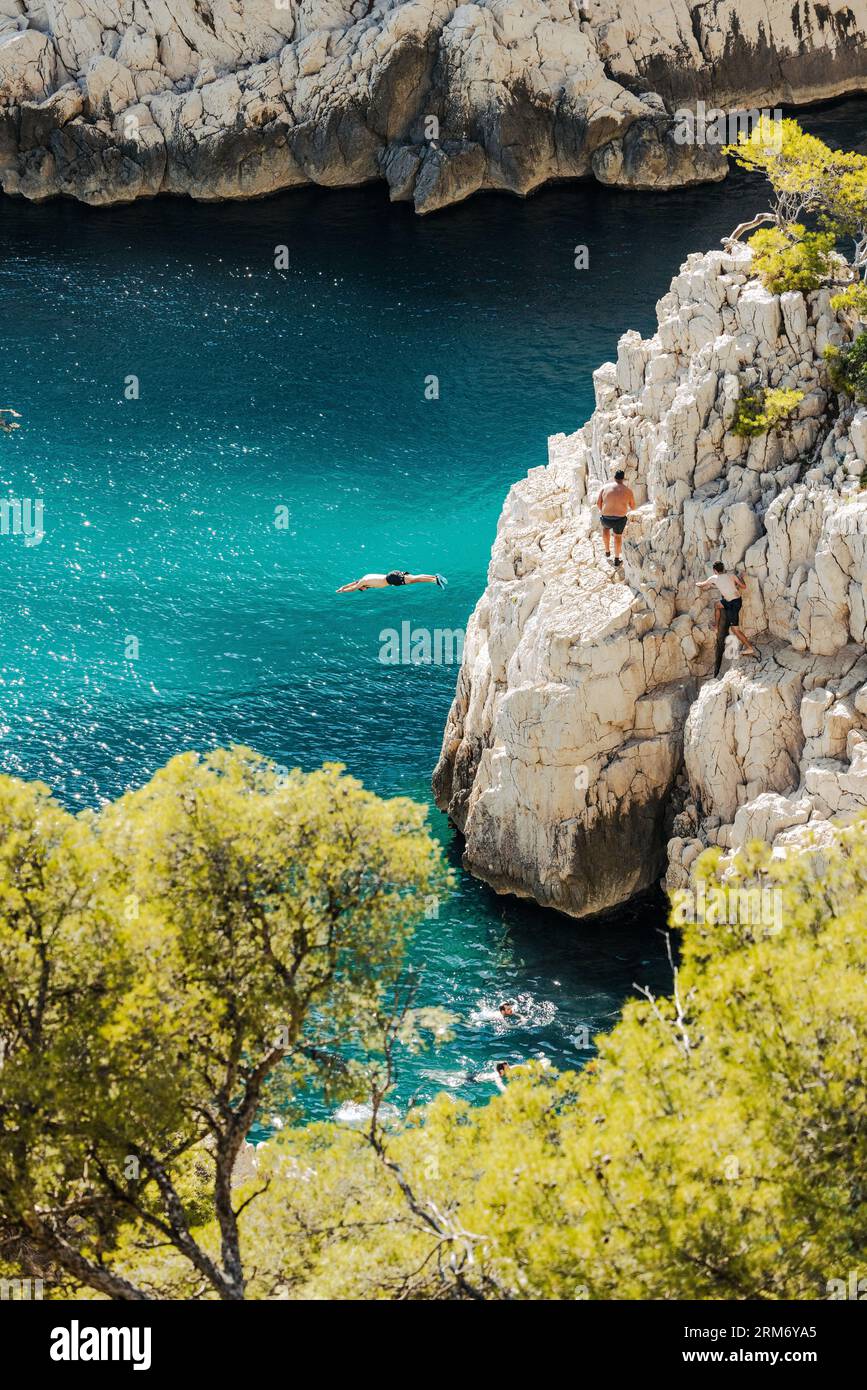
(588, 749)
(112, 100)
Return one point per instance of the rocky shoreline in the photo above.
(108, 101)
(588, 750)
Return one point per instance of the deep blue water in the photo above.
(305, 389)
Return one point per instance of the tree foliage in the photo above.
(800, 168)
(715, 1148)
(807, 178)
(214, 943)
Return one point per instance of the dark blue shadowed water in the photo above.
(301, 393)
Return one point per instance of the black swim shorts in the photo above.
(617, 524)
(396, 577)
(732, 609)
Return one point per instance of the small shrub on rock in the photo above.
(854, 298)
(847, 368)
(759, 412)
(791, 258)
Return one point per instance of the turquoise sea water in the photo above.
(304, 389)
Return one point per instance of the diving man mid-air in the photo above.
(394, 577)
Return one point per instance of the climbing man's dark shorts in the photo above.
(617, 524)
(396, 577)
(732, 609)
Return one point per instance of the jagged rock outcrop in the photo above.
(112, 100)
(588, 748)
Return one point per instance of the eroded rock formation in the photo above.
(588, 748)
(112, 100)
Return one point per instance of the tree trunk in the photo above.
(759, 220)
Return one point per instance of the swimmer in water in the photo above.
(503, 1070)
(7, 425)
(394, 579)
(507, 1009)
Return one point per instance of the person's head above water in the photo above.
(502, 1068)
(507, 1008)
(719, 567)
(619, 476)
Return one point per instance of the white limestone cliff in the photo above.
(589, 749)
(111, 100)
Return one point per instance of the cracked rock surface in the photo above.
(112, 100)
(589, 749)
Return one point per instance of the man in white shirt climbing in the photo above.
(731, 586)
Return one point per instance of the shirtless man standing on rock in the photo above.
(615, 502)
